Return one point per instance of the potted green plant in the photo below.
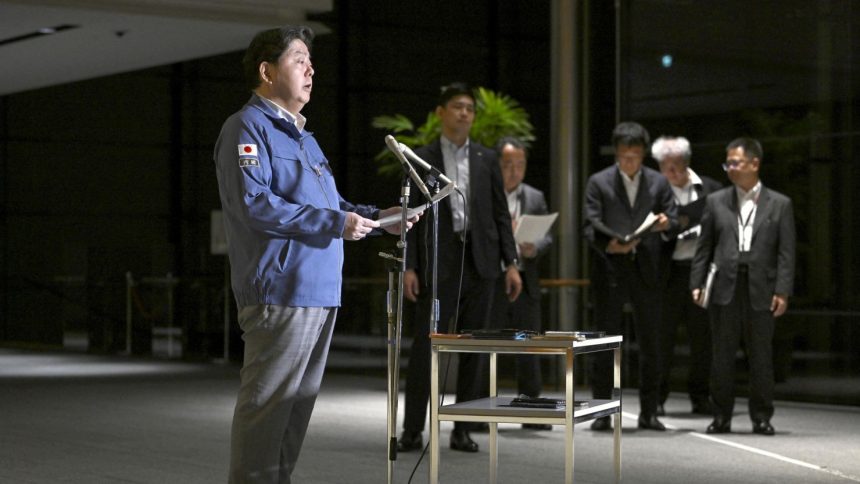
(496, 115)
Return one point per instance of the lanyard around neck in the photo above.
(746, 222)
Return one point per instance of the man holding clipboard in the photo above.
(673, 155)
(626, 258)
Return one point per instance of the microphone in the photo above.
(426, 166)
(395, 148)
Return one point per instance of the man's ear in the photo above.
(439, 111)
(263, 72)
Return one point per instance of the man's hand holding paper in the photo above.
(533, 228)
(661, 224)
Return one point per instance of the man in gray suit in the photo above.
(748, 232)
(617, 201)
(524, 312)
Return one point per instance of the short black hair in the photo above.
(630, 133)
(453, 90)
(751, 146)
(513, 141)
(268, 45)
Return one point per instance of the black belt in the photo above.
(682, 262)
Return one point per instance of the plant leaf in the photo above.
(496, 115)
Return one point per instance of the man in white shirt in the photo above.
(748, 233)
(524, 313)
(474, 235)
(618, 199)
(673, 155)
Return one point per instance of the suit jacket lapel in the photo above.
(476, 176)
(763, 208)
(699, 188)
(731, 202)
(523, 201)
(436, 159)
(640, 204)
(621, 191)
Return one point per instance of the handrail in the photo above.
(565, 282)
(543, 282)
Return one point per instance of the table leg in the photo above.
(494, 427)
(569, 399)
(617, 436)
(434, 415)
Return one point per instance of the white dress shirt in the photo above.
(456, 159)
(631, 185)
(685, 248)
(516, 210)
(748, 203)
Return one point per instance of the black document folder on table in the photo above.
(542, 402)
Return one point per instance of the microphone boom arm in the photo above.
(395, 148)
(423, 164)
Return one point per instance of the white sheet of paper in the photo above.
(532, 228)
(393, 219)
(650, 220)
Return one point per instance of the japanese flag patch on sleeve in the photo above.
(248, 150)
(248, 155)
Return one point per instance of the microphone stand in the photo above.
(434, 291)
(394, 306)
(394, 301)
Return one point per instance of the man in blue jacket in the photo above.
(285, 223)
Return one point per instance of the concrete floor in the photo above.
(74, 418)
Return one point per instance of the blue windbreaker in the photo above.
(282, 212)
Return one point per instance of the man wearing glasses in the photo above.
(748, 232)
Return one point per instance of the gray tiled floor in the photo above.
(71, 418)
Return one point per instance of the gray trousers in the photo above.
(285, 355)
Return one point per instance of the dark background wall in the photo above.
(114, 174)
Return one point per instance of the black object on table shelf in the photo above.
(543, 402)
(512, 334)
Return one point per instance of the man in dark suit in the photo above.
(617, 201)
(748, 233)
(524, 312)
(689, 189)
(475, 236)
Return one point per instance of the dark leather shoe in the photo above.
(410, 440)
(763, 427)
(720, 425)
(661, 412)
(461, 441)
(537, 427)
(650, 422)
(601, 424)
